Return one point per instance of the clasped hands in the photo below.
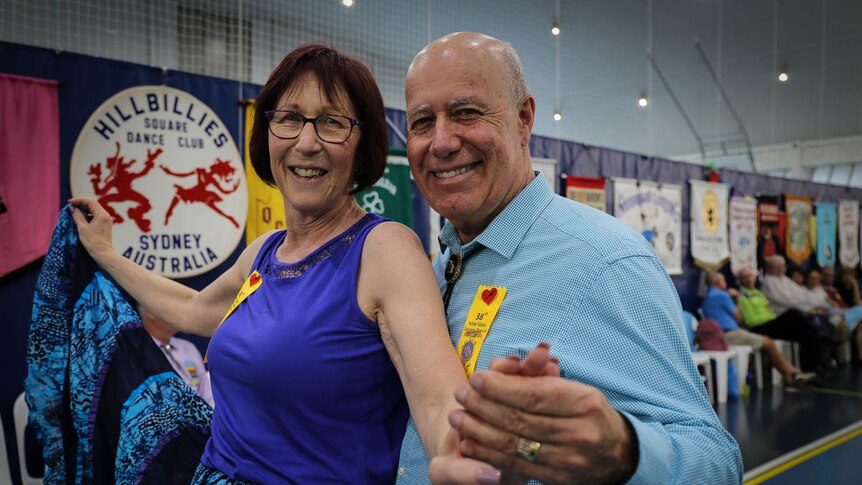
(522, 421)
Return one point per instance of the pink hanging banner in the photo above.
(29, 168)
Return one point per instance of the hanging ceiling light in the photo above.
(557, 115)
(555, 28)
(642, 100)
(347, 3)
(783, 73)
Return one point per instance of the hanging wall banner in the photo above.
(709, 211)
(587, 190)
(826, 230)
(848, 233)
(29, 169)
(768, 241)
(265, 203)
(653, 210)
(743, 233)
(798, 243)
(390, 196)
(163, 165)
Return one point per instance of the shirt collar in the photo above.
(507, 230)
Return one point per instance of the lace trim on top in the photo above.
(272, 267)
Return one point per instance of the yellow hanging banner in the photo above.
(265, 203)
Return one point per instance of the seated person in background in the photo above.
(828, 293)
(796, 274)
(848, 287)
(783, 292)
(791, 325)
(827, 283)
(183, 356)
(718, 305)
(810, 284)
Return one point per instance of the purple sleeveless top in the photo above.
(305, 391)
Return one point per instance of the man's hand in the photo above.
(453, 468)
(583, 438)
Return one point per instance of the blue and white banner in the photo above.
(826, 230)
(654, 210)
(848, 233)
(743, 233)
(709, 221)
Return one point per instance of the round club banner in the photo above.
(164, 166)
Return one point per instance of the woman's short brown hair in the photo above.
(335, 72)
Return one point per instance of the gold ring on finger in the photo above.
(527, 449)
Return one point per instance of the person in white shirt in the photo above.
(783, 293)
(183, 355)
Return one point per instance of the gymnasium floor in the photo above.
(805, 436)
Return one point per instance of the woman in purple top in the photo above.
(313, 372)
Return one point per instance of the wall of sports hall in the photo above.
(705, 71)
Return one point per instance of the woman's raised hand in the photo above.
(95, 231)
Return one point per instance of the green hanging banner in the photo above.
(391, 195)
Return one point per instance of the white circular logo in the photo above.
(164, 166)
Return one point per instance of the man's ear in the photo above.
(527, 116)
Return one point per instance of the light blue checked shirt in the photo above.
(594, 289)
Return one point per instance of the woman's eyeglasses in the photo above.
(287, 125)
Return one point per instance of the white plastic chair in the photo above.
(20, 413)
(720, 358)
(702, 360)
(790, 351)
(5, 472)
(744, 352)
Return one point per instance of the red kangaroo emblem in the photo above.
(117, 186)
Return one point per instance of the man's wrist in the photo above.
(630, 452)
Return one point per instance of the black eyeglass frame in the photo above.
(269, 115)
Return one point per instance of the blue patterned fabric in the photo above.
(86, 356)
(594, 289)
(65, 266)
(99, 315)
(155, 413)
(205, 475)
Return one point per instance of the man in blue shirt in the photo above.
(522, 265)
(718, 305)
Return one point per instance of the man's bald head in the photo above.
(464, 45)
(775, 265)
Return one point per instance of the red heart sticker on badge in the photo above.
(254, 279)
(489, 295)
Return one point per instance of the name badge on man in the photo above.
(482, 313)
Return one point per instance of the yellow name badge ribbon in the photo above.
(251, 284)
(482, 312)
